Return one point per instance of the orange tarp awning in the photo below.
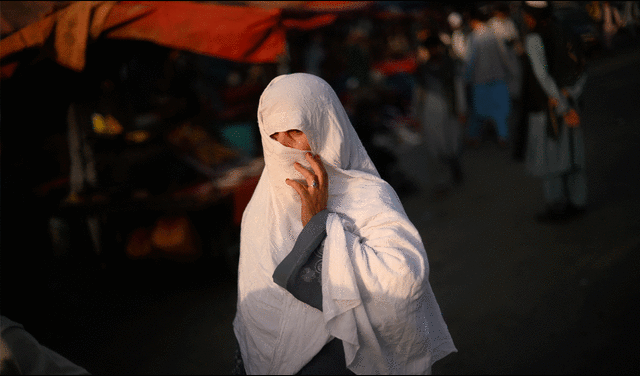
(333, 6)
(312, 6)
(242, 34)
(310, 23)
(70, 28)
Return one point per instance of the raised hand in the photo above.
(315, 194)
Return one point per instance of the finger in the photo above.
(298, 187)
(308, 175)
(318, 168)
(302, 189)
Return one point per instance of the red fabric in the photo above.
(391, 67)
(33, 35)
(310, 23)
(242, 34)
(312, 6)
(125, 12)
(6, 70)
(332, 6)
(71, 29)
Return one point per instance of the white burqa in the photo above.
(376, 295)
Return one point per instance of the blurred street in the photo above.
(518, 296)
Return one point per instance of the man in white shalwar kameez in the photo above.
(558, 160)
(330, 265)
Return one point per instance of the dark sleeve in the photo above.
(300, 272)
(22, 352)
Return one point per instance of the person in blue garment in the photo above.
(333, 277)
(487, 71)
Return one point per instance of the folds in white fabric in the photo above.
(376, 294)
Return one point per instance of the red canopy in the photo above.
(312, 6)
(243, 34)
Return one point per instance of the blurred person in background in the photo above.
(458, 36)
(398, 49)
(595, 11)
(631, 17)
(434, 108)
(315, 54)
(555, 149)
(333, 277)
(611, 23)
(504, 27)
(487, 72)
(366, 112)
(458, 51)
(83, 176)
(357, 57)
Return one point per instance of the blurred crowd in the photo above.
(425, 75)
(409, 74)
(167, 124)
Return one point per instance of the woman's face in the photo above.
(292, 138)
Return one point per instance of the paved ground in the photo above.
(518, 296)
(521, 297)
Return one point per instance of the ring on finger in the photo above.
(314, 184)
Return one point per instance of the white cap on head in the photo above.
(455, 20)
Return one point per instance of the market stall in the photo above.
(159, 118)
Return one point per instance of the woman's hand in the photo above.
(313, 197)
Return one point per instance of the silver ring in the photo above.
(314, 184)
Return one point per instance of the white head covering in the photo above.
(307, 103)
(279, 334)
(455, 20)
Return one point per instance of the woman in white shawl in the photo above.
(331, 272)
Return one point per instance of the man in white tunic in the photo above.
(333, 277)
(555, 156)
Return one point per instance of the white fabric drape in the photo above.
(376, 294)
